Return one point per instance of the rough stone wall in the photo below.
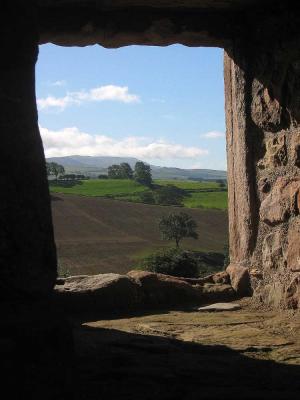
(262, 85)
(27, 250)
(262, 81)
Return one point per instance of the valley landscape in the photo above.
(95, 165)
(139, 107)
(104, 225)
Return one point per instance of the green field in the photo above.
(216, 200)
(189, 185)
(207, 195)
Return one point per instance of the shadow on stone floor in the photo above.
(42, 359)
(114, 364)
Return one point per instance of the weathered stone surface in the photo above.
(136, 290)
(239, 279)
(218, 292)
(162, 289)
(266, 111)
(255, 273)
(264, 185)
(192, 353)
(242, 198)
(296, 148)
(293, 293)
(92, 293)
(220, 307)
(114, 24)
(276, 152)
(271, 294)
(282, 202)
(198, 281)
(221, 277)
(293, 246)
(272, 250)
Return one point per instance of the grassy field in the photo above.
(207, 200)
(99, 187)
(98, 235)
(189, 185)
(206, 195)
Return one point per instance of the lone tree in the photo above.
(55, 169)
(178, 226)
(142, 173)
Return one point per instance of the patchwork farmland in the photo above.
(98, 235)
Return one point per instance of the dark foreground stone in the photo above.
(36, 352)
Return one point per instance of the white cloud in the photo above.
(56, 102)
(101, 93)
(70, 141)
(213, 135)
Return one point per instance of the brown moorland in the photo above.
(95, 235)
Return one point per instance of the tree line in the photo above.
(141, 173)
(58, 171)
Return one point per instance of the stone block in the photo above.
(218, 292)
(164, 290)
(217, 307)
(101, 292)
(282, 202)
(276, 152)
(272, 294)
(293, 293)
(272, 251)
(293, 247)
(266, 111)
(240, 279)
(295, 144)
(221, 277)
(264, 185)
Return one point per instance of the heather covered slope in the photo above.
(95, 235)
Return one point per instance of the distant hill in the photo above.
(92, 161)
(184, 174)
(94, 166)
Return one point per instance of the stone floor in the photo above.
(189, 355)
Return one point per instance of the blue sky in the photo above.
(164, 105)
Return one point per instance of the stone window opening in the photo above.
(261, 52)
(80, 258)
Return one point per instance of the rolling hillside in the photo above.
(96, 235)
(94, 166)
(198, 194)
